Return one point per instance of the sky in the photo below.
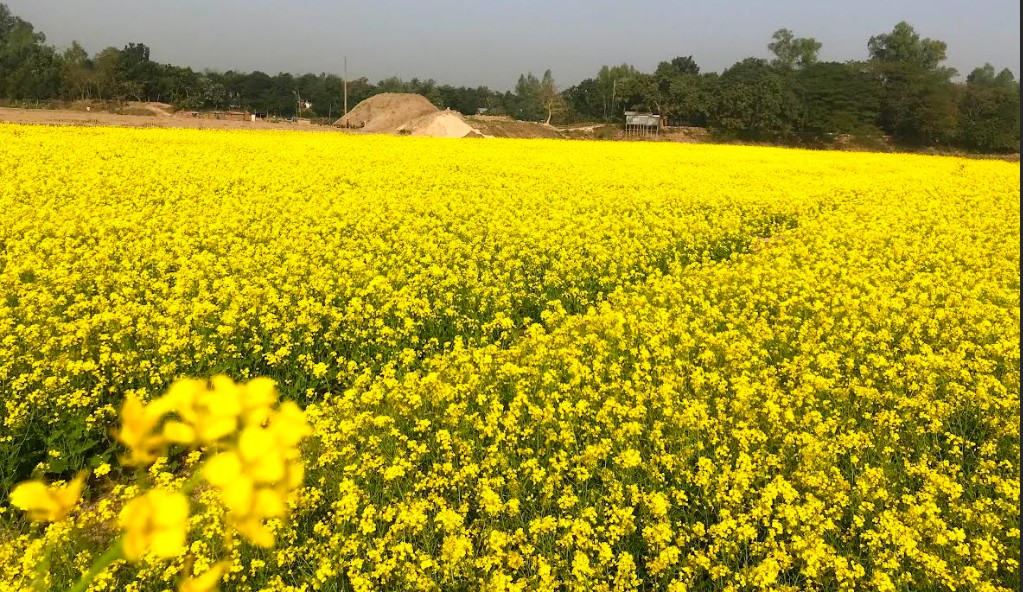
(487, 42)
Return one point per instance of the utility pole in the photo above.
(346, 86)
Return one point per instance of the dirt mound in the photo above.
(159, 109)
(505, 127)
(385, 113)
(443, 124)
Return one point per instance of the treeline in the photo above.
(32, 70)
(903, 90)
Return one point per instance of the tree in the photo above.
(137, 72)
(793, 52)
(918, 102)
(989, 111)
(917, 108)
(550, 97)
(29, 69)
(640, 92)
(904, 46)
(678, 66)
(985, 76)
(466, 100)
(754, 101)
(180, 86)
(281, 95)
(214, 95)
(838, 98)
(107, 68)
(76, 72)
(584, 100)
(391, 85)
(609, 78)
(527, 104)
(15, 29)
(683, 93)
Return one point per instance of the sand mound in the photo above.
(385, 113)
(443, 124)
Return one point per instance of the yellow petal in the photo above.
(171, 510)
(260, 392)
(169, 542)
(156, 522)
(215, 427)
(225, 398)
(268, 469)
(208, 581)
(255, 443)
(296, 474)
(138, 423)
(30, 495)
(134, 514)
(135, 544)
(237, 495)
(223, 404)
(222, 469)
(134, 521)
(67, 496)
(131, 410)
(133, 427)
(45, 503)
(222, 382)
(254, 530)
(289, 424)
(269, 504)
(181, 396)
(184, 390)
(178, 432)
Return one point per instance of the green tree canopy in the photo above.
(754, 101)
(904, 46)
(989, 111)
(985, 76)
(791, 51)
(838, 98)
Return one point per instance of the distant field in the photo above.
(530, 364)
(141, 119)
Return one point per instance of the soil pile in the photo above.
(493, 126)
(385, 113)
(443, 124)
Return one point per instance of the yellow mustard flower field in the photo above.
(298, 361)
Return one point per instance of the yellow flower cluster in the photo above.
(256, 470)
(128, 266)
(47, 504)
(533, 365)
(156, 523)
(256, 478)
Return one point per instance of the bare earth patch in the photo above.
(85, 118)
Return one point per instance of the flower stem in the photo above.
(112, 554)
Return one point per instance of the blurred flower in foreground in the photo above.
(45, 503)
(157, 523)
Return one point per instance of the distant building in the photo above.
(228, 115)
(642, 123)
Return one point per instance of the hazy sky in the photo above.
(485, 42)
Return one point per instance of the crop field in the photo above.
(526, 364)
